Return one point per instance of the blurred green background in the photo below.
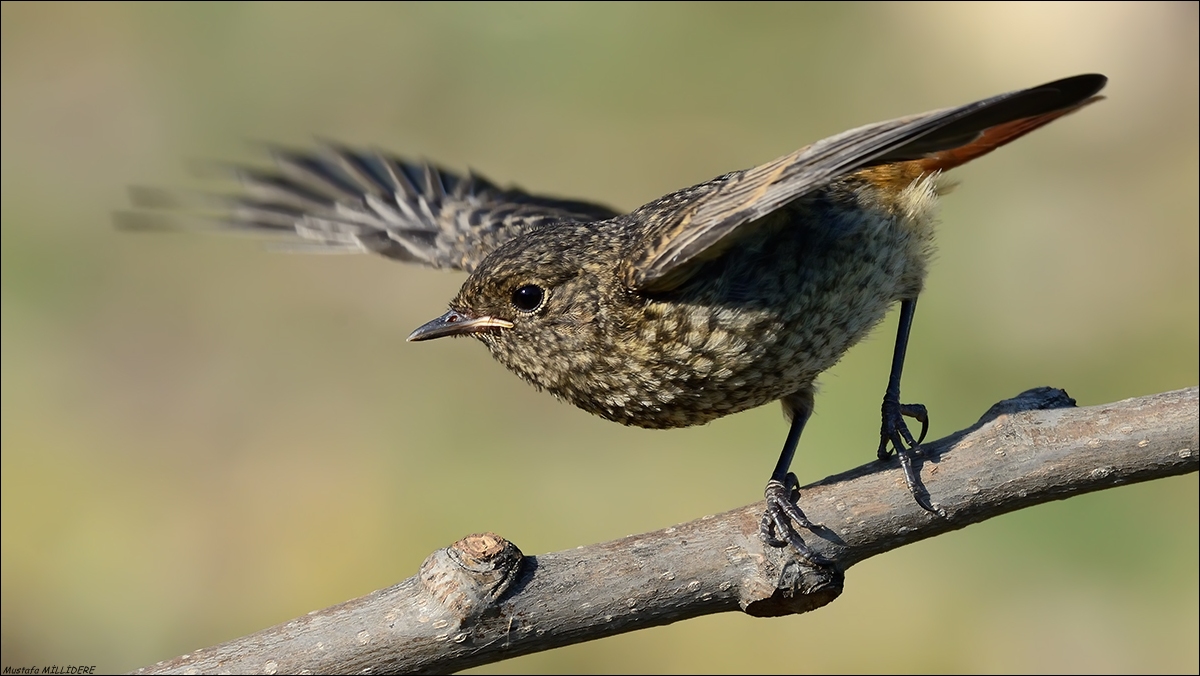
(202, 439)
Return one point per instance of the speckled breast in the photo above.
(765, 319)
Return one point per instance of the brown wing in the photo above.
(700, 223)
(340, 200)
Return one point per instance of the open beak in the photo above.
(455, 323)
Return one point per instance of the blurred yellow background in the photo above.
(202, 439)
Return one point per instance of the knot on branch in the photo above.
(469, 576)
(799, 587)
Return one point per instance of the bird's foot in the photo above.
(783, 517)
(894, 436)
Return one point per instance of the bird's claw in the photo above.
(894, 432)
(783, 516)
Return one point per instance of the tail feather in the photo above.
(994, 137)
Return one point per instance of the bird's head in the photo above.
(536, 303)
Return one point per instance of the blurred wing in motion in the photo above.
(338, 200)
(717, 213)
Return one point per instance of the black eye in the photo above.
(528, 298)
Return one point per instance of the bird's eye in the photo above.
(528, 298)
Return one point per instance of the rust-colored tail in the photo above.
(993, 138)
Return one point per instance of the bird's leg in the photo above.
(782, 491)
(894, 430)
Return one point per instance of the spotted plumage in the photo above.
(708, 301)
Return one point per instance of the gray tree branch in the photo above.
(480, 600)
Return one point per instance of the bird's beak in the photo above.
(455, 323)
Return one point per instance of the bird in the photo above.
(713, 299)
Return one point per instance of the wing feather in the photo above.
(717, 213)
(340, 200)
